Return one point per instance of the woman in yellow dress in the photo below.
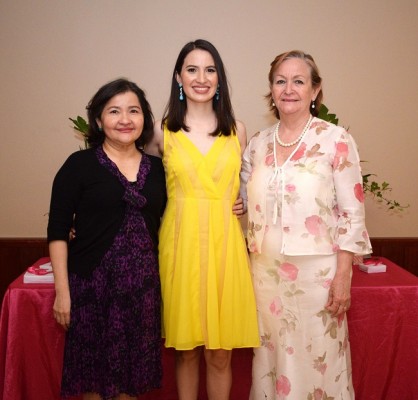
(208, 299)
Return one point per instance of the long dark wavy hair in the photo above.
(315, 78)
(175, 111)
(95, 136)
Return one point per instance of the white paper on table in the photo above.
(372, 268)
(39, 274)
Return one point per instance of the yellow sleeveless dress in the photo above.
(206, 285)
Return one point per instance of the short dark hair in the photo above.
(315, 78)
(175, 111)
(96, 136)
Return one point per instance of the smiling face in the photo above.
(291, 88)
(198, 76)
(122, 119)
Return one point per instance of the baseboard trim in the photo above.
(16, 254)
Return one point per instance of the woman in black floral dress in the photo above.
(106, 278)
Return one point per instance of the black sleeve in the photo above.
(155, 192)
(66, 191)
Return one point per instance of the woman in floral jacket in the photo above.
(305, 221)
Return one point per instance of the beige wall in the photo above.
(55, 54)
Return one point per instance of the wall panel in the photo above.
(16, 254)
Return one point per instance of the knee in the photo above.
(218, 359)
(188, 356)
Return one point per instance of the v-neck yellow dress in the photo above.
(207, 291)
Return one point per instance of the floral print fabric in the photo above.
(113, 345)
(321, 192)
(304, 353)
(299, 215)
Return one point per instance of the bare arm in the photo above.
(156, 146)
(246, 170)
(238, 208)
(242, 136)
(58, 250)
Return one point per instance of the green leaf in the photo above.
(326, 116)
(81, 125)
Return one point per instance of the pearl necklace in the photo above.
(290, 144)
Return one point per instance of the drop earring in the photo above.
(181, 97)
(217, 93)
(313, 104)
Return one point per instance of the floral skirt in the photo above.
(304, 352)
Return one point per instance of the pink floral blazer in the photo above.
(322, 200)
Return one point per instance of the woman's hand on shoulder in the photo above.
(156, 146)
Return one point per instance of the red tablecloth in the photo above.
(383, 324)
(383, 327)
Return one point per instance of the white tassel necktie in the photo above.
(277, 169)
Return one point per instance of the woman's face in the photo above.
(122, 119)
(292, 89)
(198, 76)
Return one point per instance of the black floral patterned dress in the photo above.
(113, 345)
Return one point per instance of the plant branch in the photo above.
(378, 191)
